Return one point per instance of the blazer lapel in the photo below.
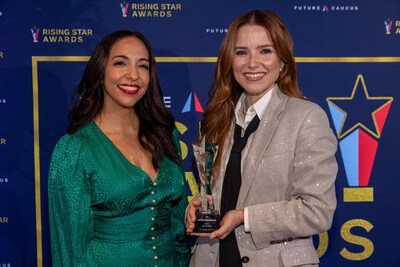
(260, 142)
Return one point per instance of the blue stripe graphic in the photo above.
(349, 148)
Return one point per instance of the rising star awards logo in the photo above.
(35, 34)
(124, 8)
(358, 121)
(388, 25)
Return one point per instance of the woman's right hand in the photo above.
(194, 205)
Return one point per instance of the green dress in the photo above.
(105, 211)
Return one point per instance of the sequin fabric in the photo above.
(288, 186)
(105, 211)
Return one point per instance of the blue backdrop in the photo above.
(348, 58)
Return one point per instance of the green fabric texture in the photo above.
(105, 211)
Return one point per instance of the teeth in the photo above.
(129, 88)
(254, 75)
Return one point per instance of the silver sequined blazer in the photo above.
(288, 184)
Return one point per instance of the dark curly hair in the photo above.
(156, 122)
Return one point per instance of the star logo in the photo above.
(359, 111)
(124, 8)
(35, 34)
(388, 25)
(358, 121)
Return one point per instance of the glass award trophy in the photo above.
(207, 219)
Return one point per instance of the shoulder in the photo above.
(301, 108)
(72, 142)
(68, 142)
(70, 147)
(68, 158)
(285, 106)
(311, 122)
(301, 104)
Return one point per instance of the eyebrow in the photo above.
(125, 57)
(260, 46)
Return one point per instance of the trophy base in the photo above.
(206, 222)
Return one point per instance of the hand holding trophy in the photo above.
(207, 218)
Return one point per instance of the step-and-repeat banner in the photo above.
(348, 58)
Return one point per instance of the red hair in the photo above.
(220, 110)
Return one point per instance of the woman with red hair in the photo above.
(275, 169)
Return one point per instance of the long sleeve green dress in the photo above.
(105, 211)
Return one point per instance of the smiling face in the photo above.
(127, 74)
(256, 66)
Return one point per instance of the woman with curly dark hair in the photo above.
(117, 193)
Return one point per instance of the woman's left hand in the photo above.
(231, 220)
